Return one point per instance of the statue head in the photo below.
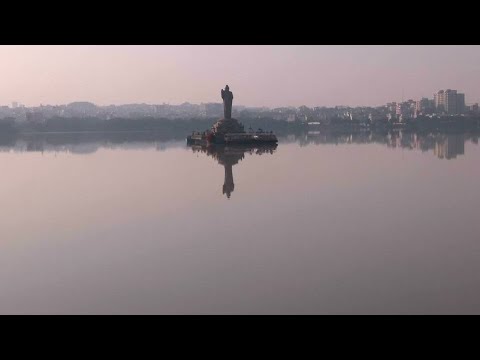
(227, 88)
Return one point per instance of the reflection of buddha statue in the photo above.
(228, 156)
(228, 184)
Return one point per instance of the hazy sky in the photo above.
(258, 75)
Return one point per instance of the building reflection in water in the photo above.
(228, 156)
(449, 146)
(443, 145)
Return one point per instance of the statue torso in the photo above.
(227, 95)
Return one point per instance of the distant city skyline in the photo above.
(270, 76)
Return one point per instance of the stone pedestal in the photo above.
(225, 126)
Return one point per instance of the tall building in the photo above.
(439, 99)
(398, 109)
(425, 106)
(449, 101)
(460, 103)
(405, 109)
(392, 107)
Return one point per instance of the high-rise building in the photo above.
(392, 107)
(449, 101)
(425, 106)
(398, 109)
(405, 109)
(439, 99)
(460, 103)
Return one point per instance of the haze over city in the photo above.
(271, 76)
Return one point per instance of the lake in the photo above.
(321, 224)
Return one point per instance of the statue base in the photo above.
(225, 126)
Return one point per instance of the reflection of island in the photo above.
(444, 145)
(86, 143)
(231, 155)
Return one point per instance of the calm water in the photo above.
(327, 225)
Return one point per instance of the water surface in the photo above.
(322, 224)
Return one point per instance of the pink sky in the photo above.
(258, 75)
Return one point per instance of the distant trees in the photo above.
(7, 125)
(182, 127)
